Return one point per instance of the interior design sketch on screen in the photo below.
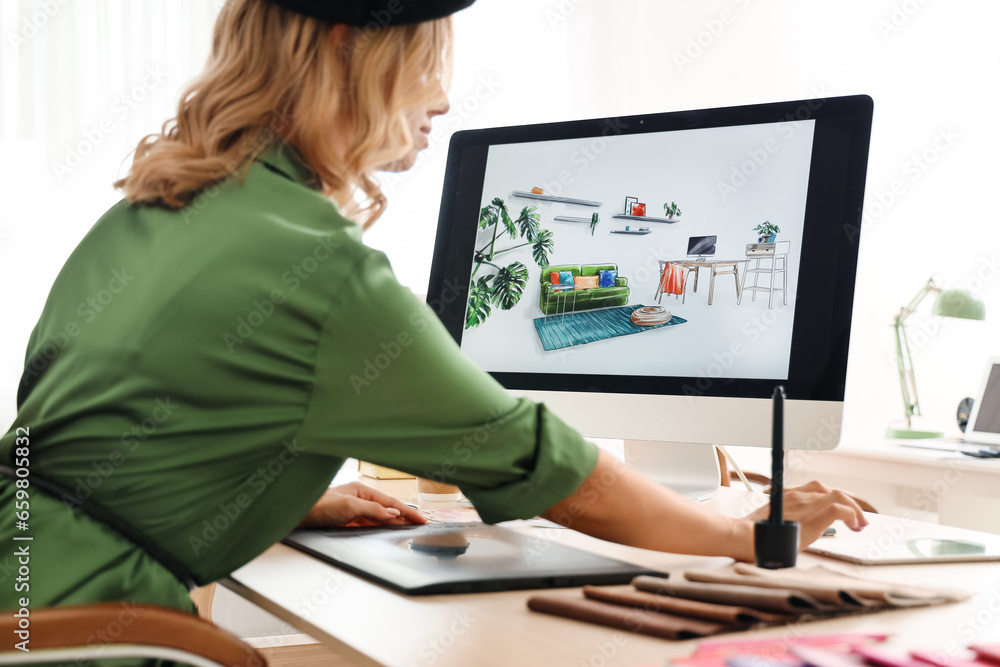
(670, 253)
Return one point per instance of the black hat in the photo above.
(375, 13)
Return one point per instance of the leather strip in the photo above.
(736, 617)
(778, 601)
(624, 618)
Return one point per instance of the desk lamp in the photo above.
(949, 303)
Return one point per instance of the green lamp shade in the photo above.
(959, 303)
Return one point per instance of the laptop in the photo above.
(982, 433)
(460, 558)
(984, 420)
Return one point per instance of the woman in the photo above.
(191, 371)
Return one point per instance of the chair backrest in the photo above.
(123, 630)
(781, 247)
(595, 269)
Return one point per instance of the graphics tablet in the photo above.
(460, 558)
(895, 541)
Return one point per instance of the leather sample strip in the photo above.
(624, 618)
(774, 600)
(868, 591)
(827, 594)
(730, 615)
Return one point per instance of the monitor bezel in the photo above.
(835, 196)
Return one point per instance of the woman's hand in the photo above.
(617, 504)
(355, 504)
(815, 507)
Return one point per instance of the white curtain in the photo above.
(81, 81)
(79, 70)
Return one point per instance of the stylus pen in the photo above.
(777, 455)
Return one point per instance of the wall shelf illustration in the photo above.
(644, 218)
(570, 218)
(560, 200)
(637, 232)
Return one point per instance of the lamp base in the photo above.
(911, 434)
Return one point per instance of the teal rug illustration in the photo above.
(580, 328)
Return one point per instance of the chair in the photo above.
(673, 280)
(124, 630)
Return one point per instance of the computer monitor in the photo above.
(700, 247)
(556, 271)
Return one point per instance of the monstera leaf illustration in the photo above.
(541, 248)
(479, 302)
(508, 286)
(503, 286)
(529, 222)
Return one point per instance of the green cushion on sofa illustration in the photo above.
(569, 288)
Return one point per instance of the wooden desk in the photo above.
(372, 625)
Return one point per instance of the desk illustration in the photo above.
(718, 267)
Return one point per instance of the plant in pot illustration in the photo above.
(594, 219)
(499, 285)
(766, 231)
(671, 210)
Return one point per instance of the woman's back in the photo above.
(174, 361)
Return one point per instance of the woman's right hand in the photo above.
(355, 504)
(815, 507)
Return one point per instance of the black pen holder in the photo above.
(776, 545)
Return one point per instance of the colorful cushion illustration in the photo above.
(607, 278)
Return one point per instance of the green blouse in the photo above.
(204, 373)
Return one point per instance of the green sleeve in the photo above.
(392, 387)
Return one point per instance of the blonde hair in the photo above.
(276, 74)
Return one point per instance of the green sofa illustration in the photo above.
(554, 301)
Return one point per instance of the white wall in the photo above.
(930, 66)
(80, 83)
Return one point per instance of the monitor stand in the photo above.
(691, 470)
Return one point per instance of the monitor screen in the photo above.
(701, 245)
(560, 260)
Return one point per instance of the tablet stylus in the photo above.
(776, 541)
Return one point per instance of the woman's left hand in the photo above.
(355, 504)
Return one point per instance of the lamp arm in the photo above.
(929, 288)
(904, 359)
(904, 365)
